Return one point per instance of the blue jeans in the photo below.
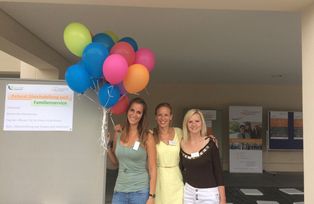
(138, 197)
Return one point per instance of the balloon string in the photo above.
(104, 131)
(121, 97)
(90, 98)
(147, 92)
(94, 84)
(110, 89)
(98, 86)
(112, 121)
(96, 92)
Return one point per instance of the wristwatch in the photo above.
(152, 195)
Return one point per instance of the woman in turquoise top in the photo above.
(134, 152)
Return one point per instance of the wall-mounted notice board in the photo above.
(285, 130)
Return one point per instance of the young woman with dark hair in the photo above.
(134, 152)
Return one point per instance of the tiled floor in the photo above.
(267, 183)
(235, 196)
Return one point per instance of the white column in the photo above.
(308, 100)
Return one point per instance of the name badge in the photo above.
(195, 154)
(136, 145)
(172, 142)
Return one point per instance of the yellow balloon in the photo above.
(113, 36)
(76, 37)
(136, 79)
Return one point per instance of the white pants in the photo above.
(200, 195)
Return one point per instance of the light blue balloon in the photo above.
(108, 95)
(77, 78)
(131, 41)
(93, 58)
(104, 39)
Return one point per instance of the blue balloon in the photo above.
(131, 41)
(108, 95)
(77, 78)
(95, 81)
(93, 58)
(104, 39)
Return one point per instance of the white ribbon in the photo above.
(104, 130)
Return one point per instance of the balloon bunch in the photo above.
(111, 66)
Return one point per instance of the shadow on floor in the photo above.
(268, 183)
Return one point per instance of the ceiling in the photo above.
(243, 41)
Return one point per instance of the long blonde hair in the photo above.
(186, 119)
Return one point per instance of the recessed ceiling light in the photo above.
(277, 76)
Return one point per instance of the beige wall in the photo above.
(8, 63)
(271, 97)
(308, 100)
(12, 65)
(30, 72)
(24, 45)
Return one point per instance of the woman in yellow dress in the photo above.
(169, 186)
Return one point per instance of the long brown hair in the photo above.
(156, 129)
(142, 127)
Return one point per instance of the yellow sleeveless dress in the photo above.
(169, 186)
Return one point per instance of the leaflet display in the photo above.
(285, 130)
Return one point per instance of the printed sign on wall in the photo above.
(245, 139)
(285, 130)
(30, 107)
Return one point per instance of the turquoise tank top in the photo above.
(132, 175)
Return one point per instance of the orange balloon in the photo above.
(136, 79)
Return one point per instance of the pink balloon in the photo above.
(124, 49)
(145, 57)
(121, 106)
(115, 68)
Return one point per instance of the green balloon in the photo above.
(76, 37)
(113, 36)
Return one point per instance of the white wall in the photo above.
(53, 167)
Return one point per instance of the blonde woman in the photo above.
(169, 187)
(200, 163)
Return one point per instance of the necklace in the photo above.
(165, 136)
